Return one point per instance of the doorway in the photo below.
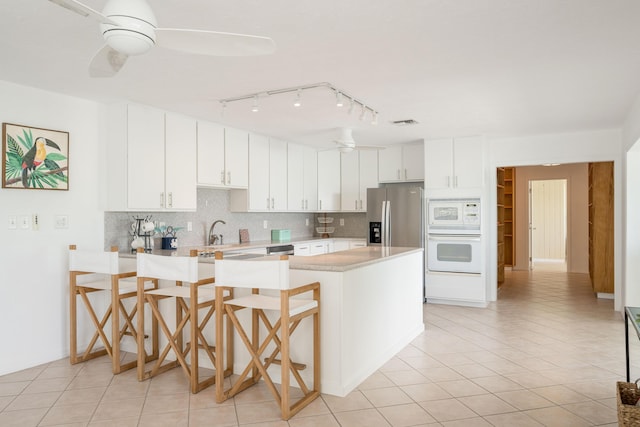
(548, 224)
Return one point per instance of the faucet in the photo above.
(213, 238)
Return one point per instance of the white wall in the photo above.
(575, 147)
(577, 177)
(34, 285)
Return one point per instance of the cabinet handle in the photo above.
(222, 177)
(229, 178)
(455, 181)
(448, 181)
(360, 204)
(272, 203)
(398, 173)
(170, 199)
(302, 204)
(267, 203)
(405, 174)
(161, 200)
(320, 204)
(356, 204)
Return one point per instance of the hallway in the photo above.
(546, 353)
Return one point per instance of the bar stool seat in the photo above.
(194, 300)
(278, 308)
(101, 271)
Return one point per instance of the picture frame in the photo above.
(34, 158)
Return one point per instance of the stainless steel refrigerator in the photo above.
(395, 216)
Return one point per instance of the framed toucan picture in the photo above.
(34, 158)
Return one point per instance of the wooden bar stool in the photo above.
(194, 307)
(268, 279)
(102, 271)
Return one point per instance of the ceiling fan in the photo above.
(129, 27)
(346, 143)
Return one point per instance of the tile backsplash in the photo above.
(213, 204)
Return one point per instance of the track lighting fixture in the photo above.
(340, 99)
(297, 102)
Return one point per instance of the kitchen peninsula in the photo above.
(371, 308)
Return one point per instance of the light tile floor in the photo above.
(546, 353)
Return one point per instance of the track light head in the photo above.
(339, 102)
(297, 101)
(363, 112)
(256, 106)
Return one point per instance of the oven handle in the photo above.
(455, 238)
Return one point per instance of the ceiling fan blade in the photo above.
(84, 10)
(213, 43)
(107, 62)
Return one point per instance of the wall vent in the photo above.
(406, 122)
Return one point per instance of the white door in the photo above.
(548, 229)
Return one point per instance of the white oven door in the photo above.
(455, 254)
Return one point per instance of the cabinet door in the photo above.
(467, 162)
(302, 249)
(145, 158)
(413, 162)
(310, 179)
(295, 177)
(390, 164)
(210, 154)
(329, 180)
(350, 181)
(278, 174)
(368, 175)
(180, 163)
(236, 157)
(259, 173)
(438, 154)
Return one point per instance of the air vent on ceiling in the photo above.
(406, 122)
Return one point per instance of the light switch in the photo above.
(13, 222)
(24, 222)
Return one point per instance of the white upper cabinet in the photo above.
(454, 163)
(153, 154)
(329, 180)
(401, 163)
(278, 174)
(180, 161)
(223, 156)
(267, 190)
(302, 178)
(236, 157)
(359, 171)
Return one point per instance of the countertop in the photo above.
(336, 261)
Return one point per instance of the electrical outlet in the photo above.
(62, 221)
(265, 224)
(35, 222)
(13, 222)
(25, 224)
(341, 221)
(189, 226)
(306, 222)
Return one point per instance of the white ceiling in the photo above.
(458, 67)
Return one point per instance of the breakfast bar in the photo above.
(371, 308)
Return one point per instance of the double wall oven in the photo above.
(453, 236)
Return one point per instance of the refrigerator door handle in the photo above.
(388, 224)
(383, 219)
